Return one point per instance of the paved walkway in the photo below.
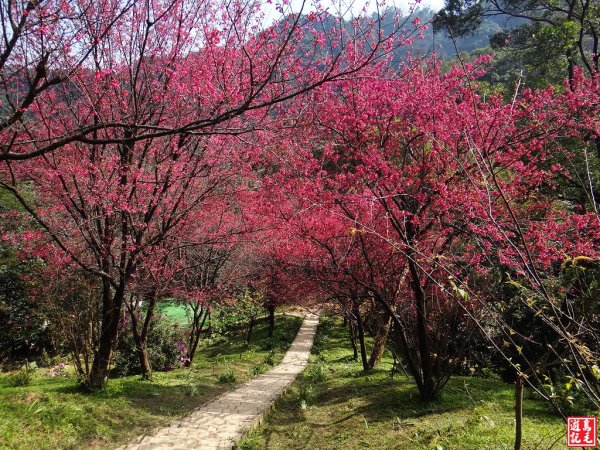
(223, 421)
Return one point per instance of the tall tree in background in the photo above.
(547, 34)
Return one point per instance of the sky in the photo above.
(358, 5)
(350, 7)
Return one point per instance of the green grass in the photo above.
(334, 405)
(173, 312)
(52, 413)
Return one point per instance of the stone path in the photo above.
(223, 421)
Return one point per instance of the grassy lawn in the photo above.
(333, 405)
(173, 312)
(52, 413)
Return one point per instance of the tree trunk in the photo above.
(200, 317)
(250, 328)
(352, 334)
(141, 338)
(271, 309)
(111, 313)
(141, 346)
(361, 335)
(145, 366)
(429, 392)
(518, 411)
(412, 357)
(379, 342)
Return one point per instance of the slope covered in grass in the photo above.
(334, 405)
(51, 412)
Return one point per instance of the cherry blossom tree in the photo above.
(219, 56)
(453, 183)
(128, 117)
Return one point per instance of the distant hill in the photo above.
(442, 45)
(439, 43)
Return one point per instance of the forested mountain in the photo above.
(428, 38)
(446, 46)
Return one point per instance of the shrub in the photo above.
(45, 360)
(306, 395)
(227, 377)
(270, 359)
(270, 344)
(316, 373)
(23, 330)
(567, 392)
(193, 391)
(251, 441)
(163, 350)
(257, 370)
(23, 376)
(73, 305)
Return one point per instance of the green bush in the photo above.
(252, 441)
(270, 359)
(269, 345)
(257, 370)
(226, 319)
(306, 395)
(23, 376)
(45, 360)
(227, 377)
(316, 373)
(567, 392)
(163, 350)
(23, 329)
